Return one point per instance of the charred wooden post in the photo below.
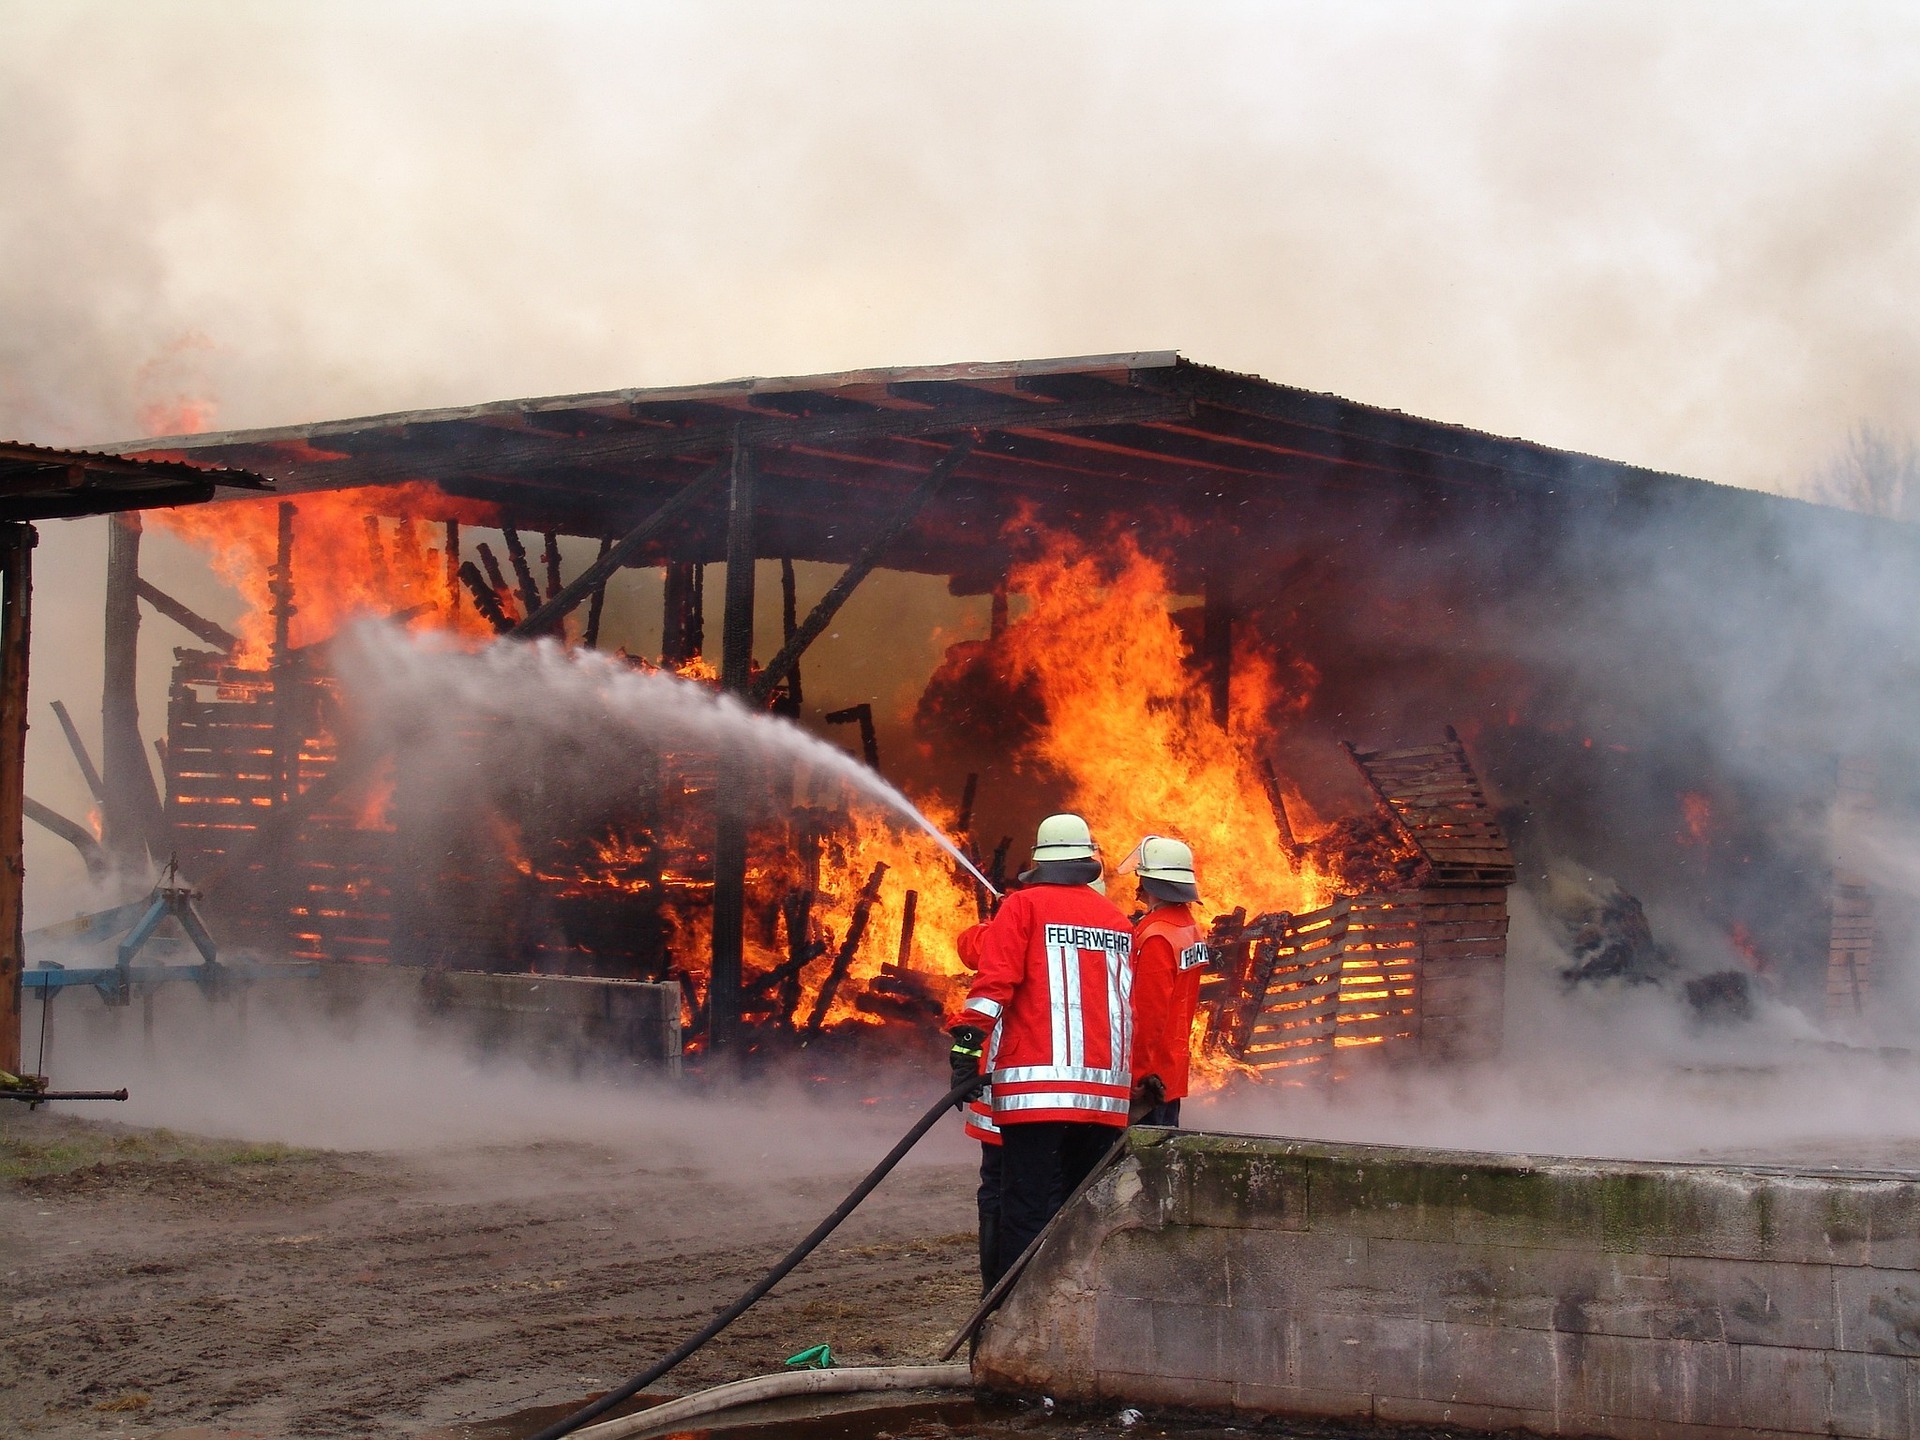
(997, 873)
(791, 697)
(1232, 949)
(452, 558)
(1277, 801)
(192, 621)
(849, 947)
(732, 792)
(80, 756)
(599, 602)
(683, 632)
(802, 950)
(16, 600)
(377, 556)
(407, 551)
(130, 815)
(485, 599)
(997, 617)
(904, 959)
(74, 833)
(522, 572)
(550, 557)
(1217, 645)
(861, 715)
(495, 577)
(286, 744)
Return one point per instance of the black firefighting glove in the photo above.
(1149, 1090)
(969, 1044)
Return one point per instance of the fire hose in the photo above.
(626, 1391)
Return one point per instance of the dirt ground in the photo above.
(162, 1285)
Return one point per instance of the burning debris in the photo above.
(1115, 643)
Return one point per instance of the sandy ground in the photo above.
(156, 1284)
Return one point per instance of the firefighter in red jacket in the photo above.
(1055, 972)
(1168, 954)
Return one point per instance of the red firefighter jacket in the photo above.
(1055, 972)
(979, 1109)
(1168, 953)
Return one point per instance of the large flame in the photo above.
(355, 552)
(1127, 726)
(1096, 656)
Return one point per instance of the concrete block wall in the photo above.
(1265, 1277)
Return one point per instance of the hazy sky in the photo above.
(1678, 234)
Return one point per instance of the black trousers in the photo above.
(987, 1199)
(1167, 1113)
(1041, 1163)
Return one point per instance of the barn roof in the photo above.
(1067, 440)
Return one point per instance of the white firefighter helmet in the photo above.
(1160, 857)
(1063, 837)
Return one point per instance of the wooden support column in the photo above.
(1217, 644)
(16, 597)
(733, 791)
(597, 604)
(130, 818)
(286, 743)
(789, 623)
(683, 630)
(452, 559)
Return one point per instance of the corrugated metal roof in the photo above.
(1071, 441)
(42, 482)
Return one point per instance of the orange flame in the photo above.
(1129, 730)
(342, 567)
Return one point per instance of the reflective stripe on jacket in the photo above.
(980, 1111)
(1168, 953)
(1055, 974)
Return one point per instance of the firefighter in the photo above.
(1168, 953)
(1055, 972)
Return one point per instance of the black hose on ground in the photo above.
(773, 1277)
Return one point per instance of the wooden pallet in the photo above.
(1420, 968)
(1434, 796)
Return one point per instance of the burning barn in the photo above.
(1376, 669)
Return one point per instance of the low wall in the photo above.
(559, 1022)
(1272, 1277)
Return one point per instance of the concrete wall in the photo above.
(1274, 1277)
(565, 1023)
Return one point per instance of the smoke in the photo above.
(1622, 1071)
(1680, 236)
(1675, 235)
(286, 1067)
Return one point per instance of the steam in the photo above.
(285, 1068)
(556, 701)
